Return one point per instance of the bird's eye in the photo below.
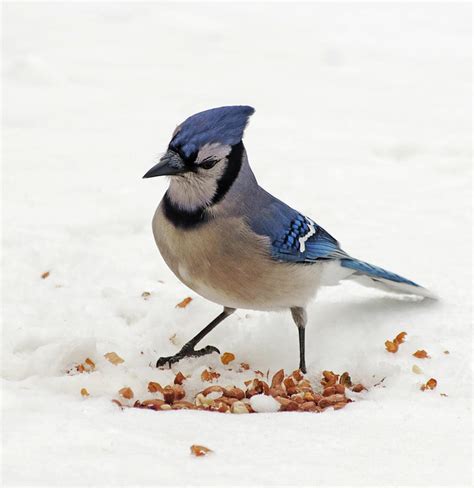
(208, 163)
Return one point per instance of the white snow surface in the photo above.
(264, 403)
(363, 123)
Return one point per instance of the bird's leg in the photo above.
(300, 318)
(188, 349)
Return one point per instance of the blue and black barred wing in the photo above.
(293, 237)
(304, 241)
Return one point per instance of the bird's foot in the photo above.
(186, 352)
(303, 367)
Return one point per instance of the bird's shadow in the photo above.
(338, 329)
(344, 326)
(373, 308)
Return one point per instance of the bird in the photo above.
(235, 244)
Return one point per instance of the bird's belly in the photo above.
(229, 265)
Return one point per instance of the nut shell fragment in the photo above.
(239, 407)
(358, 388)
(234, 393)
(400, 338)
(184, 303)
(152, 404)
(197, 450)
(227, 358)
(179, 378)
(212, 389)
(421, 354)
(345, 379)
(329, 390)
(329, 378)
(90, 363)
(113, 357)
(391, 346)
(153, 387)
(416, 369)
(182, 404)
(277, 379)
(429, 385)
(207, 375)
(126, 392)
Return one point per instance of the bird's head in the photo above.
(204, 155)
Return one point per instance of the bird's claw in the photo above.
(186, 352)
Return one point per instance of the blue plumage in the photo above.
(224, 125)
(374, 271)
(305, 242)
(294, 237)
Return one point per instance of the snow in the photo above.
(363, 123)
(264, 404)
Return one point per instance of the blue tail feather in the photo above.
(374, 271)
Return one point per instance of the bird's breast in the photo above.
(225, 262)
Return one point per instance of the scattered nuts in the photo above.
(345, 379)
(400, 338)
(113, 357)
(168, 394)
(154, 387)
(197, 450)
(153, 404)
(234, 393)
(288, 393)
(429, 385)
(277, 379)
(212, 389)
(329, 378)
(227, 358)
(184, 303)
(179, 378)
(126, 392)
(238, 407)
(90, 363)
(209, 375)
(391, 346)
(421, 354)
(330, 390)
(416, 369)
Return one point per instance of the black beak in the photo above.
(170, 164)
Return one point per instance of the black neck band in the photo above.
(191, 218)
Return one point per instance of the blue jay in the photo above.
(233, 243)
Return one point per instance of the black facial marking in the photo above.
(234, 162)
(188, 219)
(184, 219)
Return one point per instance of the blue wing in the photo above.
(294, 237)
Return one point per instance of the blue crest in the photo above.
(224, 125)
